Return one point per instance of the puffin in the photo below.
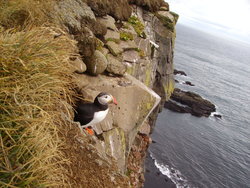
(88, 114)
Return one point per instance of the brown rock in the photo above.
(112, 35)
(109, 22)
(131, 56)
(119, 9)
(77, 65)
(97, 63)
(114, 48)
(115, 66)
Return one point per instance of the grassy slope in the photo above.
(35, 82)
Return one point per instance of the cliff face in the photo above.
(124, 48)
(131, 56)
(133, 60)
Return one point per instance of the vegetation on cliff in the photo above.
(35, 90)
(40, 43)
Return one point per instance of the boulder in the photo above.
(195, 104)
(167, 19)
(179, 72)
(109, 22)
(115, 66)
(114, 48)
(173, 106)
(77, 65)
(189, 83)
(218, 116)
(97, 63)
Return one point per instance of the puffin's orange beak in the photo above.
(114, 101)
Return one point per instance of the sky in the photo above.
(227, 18)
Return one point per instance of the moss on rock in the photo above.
(137, 25)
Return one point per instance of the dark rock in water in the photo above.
(179, 72)
(218, 116)
(189, 83)
(196, 105)
(176, 81)
(173, 106)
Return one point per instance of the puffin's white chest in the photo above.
(98, 117)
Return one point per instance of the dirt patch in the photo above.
(86, 168)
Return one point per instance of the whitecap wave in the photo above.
(173, 174)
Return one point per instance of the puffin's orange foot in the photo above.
(90, 131)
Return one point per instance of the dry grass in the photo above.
(35, 90)
(19, 14)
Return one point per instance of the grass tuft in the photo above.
(35, 90)
(19, 14)
(137, 25)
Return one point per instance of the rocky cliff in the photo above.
(124, 48)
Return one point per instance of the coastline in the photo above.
(153, 176)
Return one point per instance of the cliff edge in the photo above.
(55, 54)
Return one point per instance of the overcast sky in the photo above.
(230, 18)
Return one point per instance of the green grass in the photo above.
(126, 36)
(34, 82)
(137, 25)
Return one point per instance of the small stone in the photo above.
(115, 66)
(97, 63)
(77, 65)
(114, 48)
(99, 162)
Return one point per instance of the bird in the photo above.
(88, 114)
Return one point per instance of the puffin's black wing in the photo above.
(84, 113)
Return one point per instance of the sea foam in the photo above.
(173, 174)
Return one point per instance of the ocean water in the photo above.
(208, 152)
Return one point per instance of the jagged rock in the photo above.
(112, 35)
(144, 45)
(189, 83)
(128, 45)
(125, 118)
(173, 106)
(77, 65)
(87, 42)
(109, 22)
(164, 8)
(97, 63)
(114, 48)
(151, 5)
(218, 116)
(104, 51)
(115, 66)
(196, 105)
(118, 9)
(179, 72)
(130, 56)
(71, 15)
(128, 28)
(167, 19)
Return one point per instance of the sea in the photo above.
(205, 152)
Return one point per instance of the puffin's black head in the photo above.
(105, 99)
